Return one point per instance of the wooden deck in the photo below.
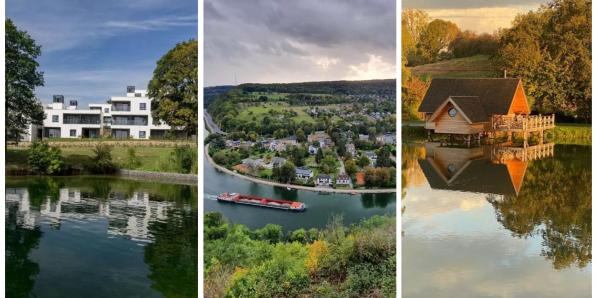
(522, 123)
(529, 153)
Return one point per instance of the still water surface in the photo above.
(320, 206)
(100, 237)
(474, 226)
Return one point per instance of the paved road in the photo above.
(210, 124)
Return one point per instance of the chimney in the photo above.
(505, 73)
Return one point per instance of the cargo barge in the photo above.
(261, 202)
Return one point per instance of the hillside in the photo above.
(479, 66)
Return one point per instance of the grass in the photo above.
(151, 158)
(261, 110)
(478, 66)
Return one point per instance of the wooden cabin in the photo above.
(480, 106)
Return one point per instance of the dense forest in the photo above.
(211, 93)
(377, 87)
(549, 49)
(338, 261)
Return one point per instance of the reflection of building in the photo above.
(127, 215)
(488, 169)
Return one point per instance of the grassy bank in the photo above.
(155, 159)
(479, 66)
(564, 133)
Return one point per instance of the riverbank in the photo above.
(293, 186)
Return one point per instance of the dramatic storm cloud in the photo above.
(476, 15)
(293, 41)
(92, 50)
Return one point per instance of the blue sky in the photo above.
(92, 50)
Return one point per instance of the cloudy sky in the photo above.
(92, 50)
(294, 41)
(476, 15)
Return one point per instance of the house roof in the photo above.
(303, 171)
(342, 177)
(324, 176)
(470, 106)
(495, 94)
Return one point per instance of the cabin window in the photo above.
(452, 112)
(451, 168)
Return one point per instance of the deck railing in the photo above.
(503, 154)
(523, 122)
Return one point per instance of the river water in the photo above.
(320, 206)
(475, 226)
(100, 237)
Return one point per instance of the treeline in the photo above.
(549, 49)
(211, 93)
(338, 261)
(368, 87)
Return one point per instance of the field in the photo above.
(469, 67)
(261, 110)
(151, 158)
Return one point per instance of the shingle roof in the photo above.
(471, 106)
(495, 94)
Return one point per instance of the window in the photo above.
(142, 135)
(106, 110)
(142, 106)
(452, 112)
(54, 118)
(137, 94)
(73, 132)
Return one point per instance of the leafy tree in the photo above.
(350, 166)
(319, 155)
(383, 158)
(183, 158)
(299, 235)
(372, 134)
(437, 36)
(285, 173)
(173, 88)
(363, 161)
(22, 76)
(300, 135)
(271, 233)
(44, 159)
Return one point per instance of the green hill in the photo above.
(479, 66)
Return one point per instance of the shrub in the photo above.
(102, 159)
(133, 161)
(44, 159)
(183, 159)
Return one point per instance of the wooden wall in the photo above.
(457, 125)
(519, 104)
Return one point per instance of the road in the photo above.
(210, 124)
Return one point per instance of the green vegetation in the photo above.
(274, 109)
(338, 261)
(479, 66)
(22, 76)
(43, 159)
(101, 161)
(173, 88)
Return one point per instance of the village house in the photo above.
(303, 173)
(317, 136)
(371, 156)
(389, 139)
(343, 179)
(476, 107)
(351, 149)
(324, 180)
(313, 149)
(278, 162)
(254, 164)
(326, 143)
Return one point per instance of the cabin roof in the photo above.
(470, 106)
(480, 175)
(495, 94)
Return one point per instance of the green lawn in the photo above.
(573, 133)
(150, 157)
(259, 111)
(470, 67)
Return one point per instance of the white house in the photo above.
(324, 180)
(343, 179)
(126, 116)
(303, 173)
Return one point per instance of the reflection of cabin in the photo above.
(480, 106)
(478, 169)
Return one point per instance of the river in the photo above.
(100, 237)
(320, 207)
(477, 226)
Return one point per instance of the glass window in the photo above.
(452, 112)
(142, 135)
(54, 118)
(106, 110)
(142, 106)
(73, 133)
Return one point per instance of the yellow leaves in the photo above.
(316, 250)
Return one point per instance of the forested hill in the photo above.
(370, 87)
(210, 93)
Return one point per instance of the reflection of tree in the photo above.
(42, 188)
(554, 203)
(370, 200)
(20, 270)
(172, 257)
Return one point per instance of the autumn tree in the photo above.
(22, 76)
(174, 88)
(436, 37)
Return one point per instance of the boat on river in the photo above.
(261, 202)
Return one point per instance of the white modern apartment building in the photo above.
(126, 116)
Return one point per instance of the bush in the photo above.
(183, 159)
(102, 159)
(44, 159)
(133, 161)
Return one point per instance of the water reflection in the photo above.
(492, 221)
(120, 221)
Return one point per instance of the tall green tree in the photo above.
(22, 76)
(174, 87)
(550, 49)
(438, 35)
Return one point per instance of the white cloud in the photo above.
(154, 24)
(324, 62)
(374, 68)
